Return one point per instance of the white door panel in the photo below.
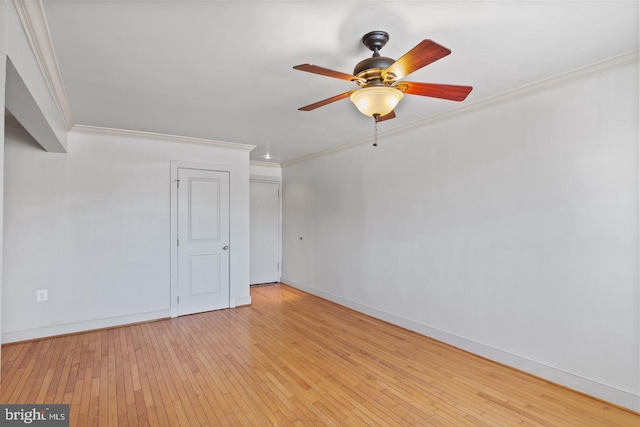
(205, 274)
(203, 236)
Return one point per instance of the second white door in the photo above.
(203, 240)
(265, 232)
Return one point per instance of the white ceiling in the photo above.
(222, 70)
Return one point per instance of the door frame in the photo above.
(274, 180)
(175, 165)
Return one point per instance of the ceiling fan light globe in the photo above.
(379, 100)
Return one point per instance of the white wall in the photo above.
(15, 46)
(511, 231)
(93, 227)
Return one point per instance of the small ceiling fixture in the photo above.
(379, 78)
(266, 155)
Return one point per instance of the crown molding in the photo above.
(621, 61)
(124, 133)
(34, 23)
(262, 163)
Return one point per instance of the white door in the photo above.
(203, 240)
(264, 232)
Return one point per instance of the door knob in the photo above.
(225, 247)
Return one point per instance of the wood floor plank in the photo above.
(289, 359)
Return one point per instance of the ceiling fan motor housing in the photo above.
(371, 69)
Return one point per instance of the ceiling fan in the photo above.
(379, 78)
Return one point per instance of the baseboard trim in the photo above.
(563, 378)
(77, 327)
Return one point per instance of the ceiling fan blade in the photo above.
(391, 115)
(325, 72)
(326, 101)
(433, 90)
(424, 53)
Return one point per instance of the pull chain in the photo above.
(375, 131)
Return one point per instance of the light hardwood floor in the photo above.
(288, 359)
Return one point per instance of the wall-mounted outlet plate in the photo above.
(42, 295)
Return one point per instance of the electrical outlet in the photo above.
(41, 295)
